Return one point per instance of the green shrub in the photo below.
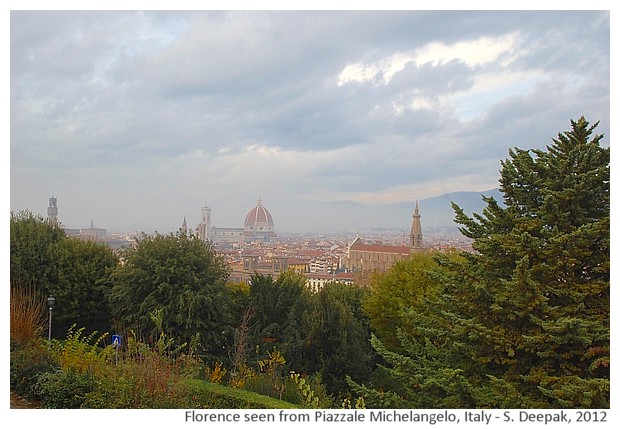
(82, 353)
(121, 391)
(64, 389)
(28, 362)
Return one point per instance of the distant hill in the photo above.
(437, 211)
(321, 216)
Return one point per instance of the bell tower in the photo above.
(204, 227)
(52, 210)
(416, 229)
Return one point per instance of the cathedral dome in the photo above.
(258, 219)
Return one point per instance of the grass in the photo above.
(252, 399)
(27, 314)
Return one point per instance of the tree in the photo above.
(523, 321)
(324, 333)
(33, 240)
(182, 279)
(392, 293)
(274, 305)
(84, 269)
(75, 271)
(336, 337)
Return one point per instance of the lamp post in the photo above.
(50, 303)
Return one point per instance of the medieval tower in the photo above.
(416, 230)
(52, 210)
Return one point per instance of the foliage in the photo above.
(270, 379)
(74, 271)
(27, 312)
(28, 361)
(33, 243)
(217, 374)
(273, 304)
(185, 279)
(308, 396)
(82, 354)
(64, 388)
(80, 361)
(324, 333)
(406, 285)
(522, 322)
(360, 404)
(84, 268)
(336, 334)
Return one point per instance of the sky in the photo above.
(135, 120)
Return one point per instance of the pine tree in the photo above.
(523, 321)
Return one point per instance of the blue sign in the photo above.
(117, 340)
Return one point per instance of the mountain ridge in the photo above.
(350, 216)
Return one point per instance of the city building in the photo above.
(362, 257)
(241, 272)
(92, 232)
(113, 241)
(258, 227)
(317, 281)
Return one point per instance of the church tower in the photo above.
(184, 226)
(204, 227)
(52, 210)
(416, 229)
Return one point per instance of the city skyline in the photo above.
(138, 119)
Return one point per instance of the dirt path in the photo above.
(19, 402)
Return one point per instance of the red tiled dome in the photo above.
(258, 216)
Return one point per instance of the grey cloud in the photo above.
(140, 104)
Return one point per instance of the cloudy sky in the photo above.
(137, 119)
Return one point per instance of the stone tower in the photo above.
(204, 227)
(416, 229)
(52, 210)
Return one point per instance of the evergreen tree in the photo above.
(274, 306)
(523, 321)
(336, 337)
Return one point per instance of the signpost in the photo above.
(117, 340)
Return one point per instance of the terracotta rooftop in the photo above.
(380, 248)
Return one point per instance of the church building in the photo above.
(258, 227)
(362, 257)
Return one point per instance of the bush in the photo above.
(82, 353)
(114, 392)
(28, 362)
(64, 389)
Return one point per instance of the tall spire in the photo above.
(416, 229)
(184, 226)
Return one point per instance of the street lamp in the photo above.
(50, 303)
